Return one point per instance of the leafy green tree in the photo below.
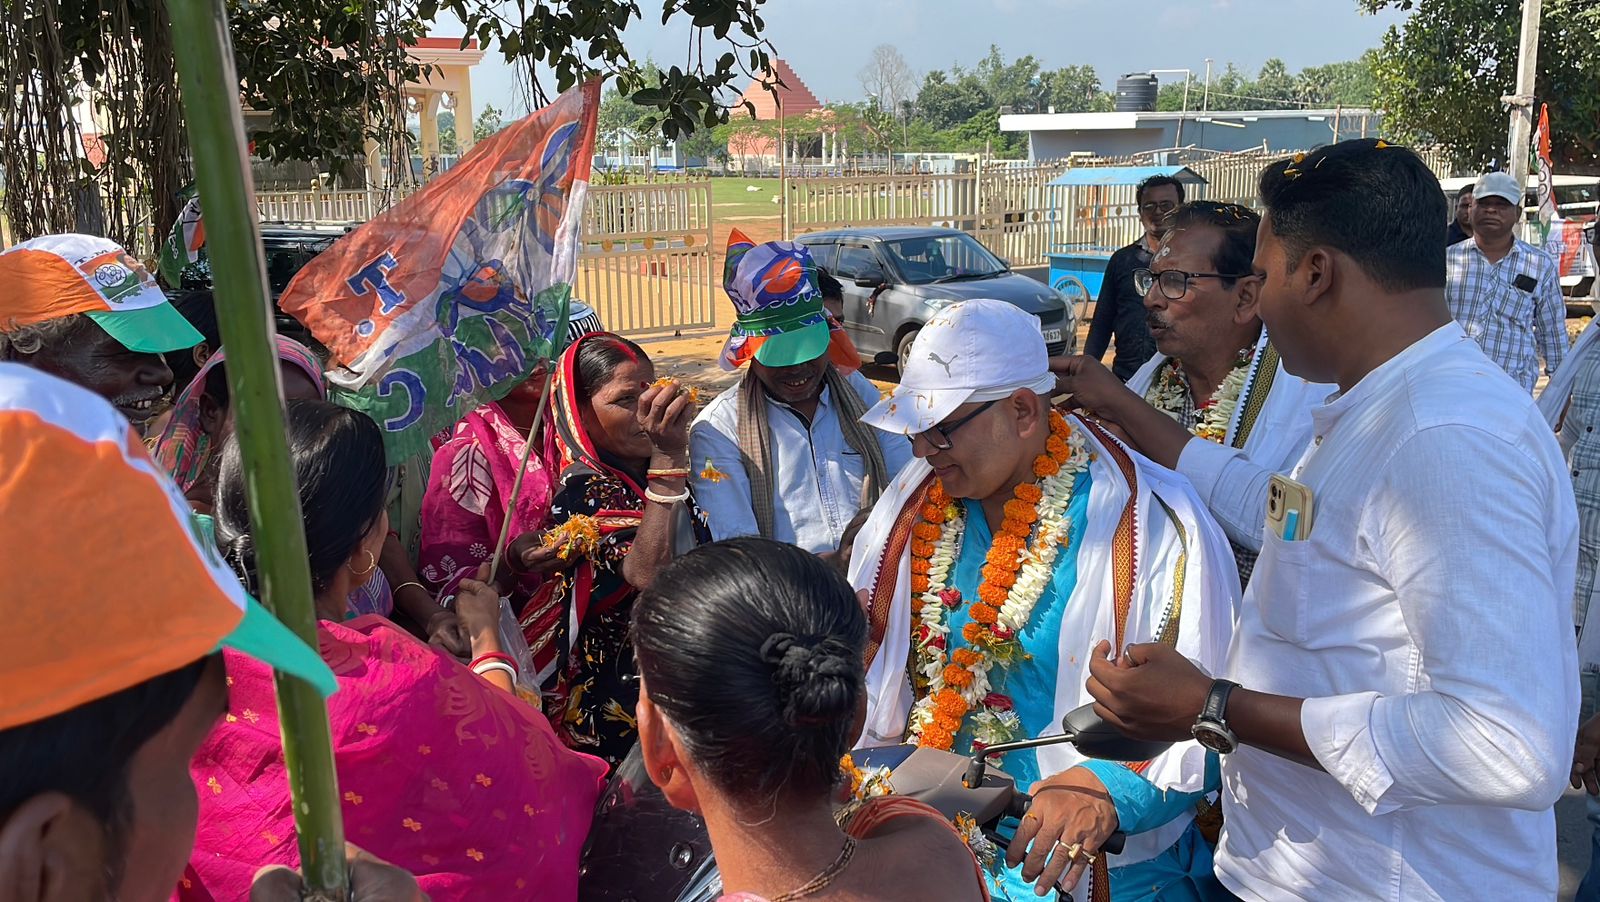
(448, 142)
(1441, 75)
(1350, 83)
(489, 121)
(1075, 89)
(325, 77)
(1274, 87)
(946, 101)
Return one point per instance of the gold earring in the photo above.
(372, 564)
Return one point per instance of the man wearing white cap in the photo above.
(1505, 292)
(1016, 540)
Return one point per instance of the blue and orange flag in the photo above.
(450, 298)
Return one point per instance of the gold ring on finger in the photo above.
(1073, 850)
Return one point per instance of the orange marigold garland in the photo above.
(954, 686)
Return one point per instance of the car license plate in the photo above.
(1051, 336)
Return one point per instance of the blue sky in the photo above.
(828, 41)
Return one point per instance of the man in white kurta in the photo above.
(1397, 710)
(1216, 373)
(1109, 533)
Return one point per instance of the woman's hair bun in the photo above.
(815, 678)
(753, 649)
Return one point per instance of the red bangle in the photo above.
(495, 656)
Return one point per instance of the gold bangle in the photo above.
(668, 474)
(405, 585)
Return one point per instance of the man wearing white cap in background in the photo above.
(1016, 540)
(1505, 292)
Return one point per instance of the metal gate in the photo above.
(645, 262)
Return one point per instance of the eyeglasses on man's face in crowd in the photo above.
(1175, 282)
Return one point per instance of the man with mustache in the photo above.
(1505, 292)
(1216, 383)
(81, 308)
(783, 454)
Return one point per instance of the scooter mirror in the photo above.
(1094, 737)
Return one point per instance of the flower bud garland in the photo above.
(1169, 393)
(953, 681)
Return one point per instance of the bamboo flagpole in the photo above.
(210, 88)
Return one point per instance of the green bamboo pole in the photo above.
(244, 315)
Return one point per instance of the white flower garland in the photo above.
(1169, 393)
(1034, 574)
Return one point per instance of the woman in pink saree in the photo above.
(442, 772)
(469, 493)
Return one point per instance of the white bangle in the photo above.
(651, 495)
(484, 668)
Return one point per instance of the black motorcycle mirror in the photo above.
(1087, 731)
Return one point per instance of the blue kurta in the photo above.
(1182, 872)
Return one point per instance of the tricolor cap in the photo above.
(82, 503)
(53, 276)
(978, 350)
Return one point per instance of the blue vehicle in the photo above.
(896, 278)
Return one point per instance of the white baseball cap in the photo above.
(1498, 184)
(977, 350)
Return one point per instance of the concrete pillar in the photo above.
(428, 112)
(374, 155)
(466, 116)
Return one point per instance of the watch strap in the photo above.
(1217, 701)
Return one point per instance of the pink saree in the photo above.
(469, 494)
(442, 774)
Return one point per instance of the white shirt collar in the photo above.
(1385, 375)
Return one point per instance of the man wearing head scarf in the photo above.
(1018, 540)
(79, 307)
(783, 454)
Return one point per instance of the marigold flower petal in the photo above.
(986, 613)
(937, 737)
(957, 676)
(951, 703)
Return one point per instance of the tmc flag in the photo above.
(448, 299)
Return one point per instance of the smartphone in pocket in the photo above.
(1289, 509)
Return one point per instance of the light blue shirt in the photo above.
(817, 475)
(1183, 871)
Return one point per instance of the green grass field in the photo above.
(729, 197)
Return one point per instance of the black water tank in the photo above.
(1136, 93)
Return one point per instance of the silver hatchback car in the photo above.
(896, 278)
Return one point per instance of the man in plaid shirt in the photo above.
(1504, 291)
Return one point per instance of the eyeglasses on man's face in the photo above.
(939, 435)
(1158, 207)
(1175, 282)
